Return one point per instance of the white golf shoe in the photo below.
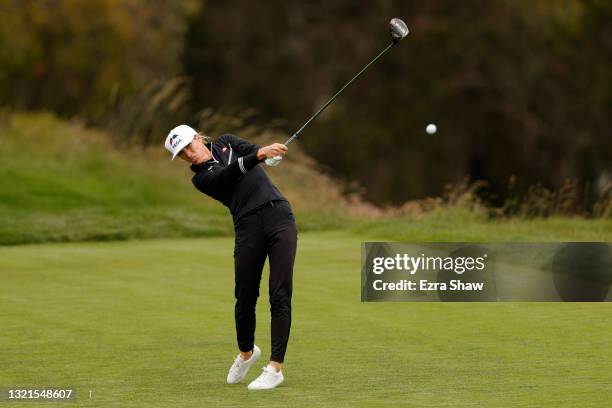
(267, 380)
(240, 368)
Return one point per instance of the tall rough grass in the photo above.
(61, 181)
(161, 105)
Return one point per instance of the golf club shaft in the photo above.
(296, 134)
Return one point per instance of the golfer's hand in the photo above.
(268, 152)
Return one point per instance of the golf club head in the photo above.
(398, 29)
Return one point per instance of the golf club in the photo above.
(398, 30)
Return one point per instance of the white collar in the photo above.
(212, 154)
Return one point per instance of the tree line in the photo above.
(521, 91)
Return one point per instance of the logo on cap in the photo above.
(174, 137)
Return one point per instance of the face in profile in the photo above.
(195, 152)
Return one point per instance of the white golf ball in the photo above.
(431, 129)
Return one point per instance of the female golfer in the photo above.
(227, 170)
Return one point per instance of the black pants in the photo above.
(269, 232)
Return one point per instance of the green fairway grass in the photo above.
(150, 324)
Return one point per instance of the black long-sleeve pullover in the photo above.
(233, 177)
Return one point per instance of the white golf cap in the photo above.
(178, 138)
